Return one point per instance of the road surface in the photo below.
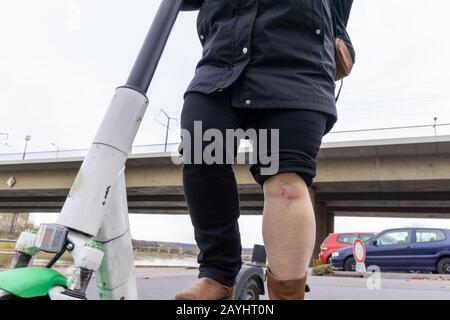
(163, 283)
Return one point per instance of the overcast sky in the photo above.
(61, 60)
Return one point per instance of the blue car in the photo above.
(405, 249)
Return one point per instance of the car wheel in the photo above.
(443, 266)
(350, 264)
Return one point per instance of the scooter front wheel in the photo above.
(6, 296)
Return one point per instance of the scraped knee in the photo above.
(288, 186)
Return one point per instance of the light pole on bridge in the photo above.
(27, 139)
(167, 127)
(57, 149)
(434, 126)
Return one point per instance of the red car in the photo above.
(336, 241)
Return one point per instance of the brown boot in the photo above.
(206, 289)
(286, 289)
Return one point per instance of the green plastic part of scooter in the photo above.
(31, 282)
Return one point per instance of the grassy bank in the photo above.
(4, 260)
(7, 246)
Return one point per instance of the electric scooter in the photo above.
(93, 225)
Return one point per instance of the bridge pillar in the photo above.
(324, 223)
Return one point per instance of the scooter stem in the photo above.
(87, 203)
(146, 63)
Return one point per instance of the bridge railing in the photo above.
(77, 153)
(389, 133)
(333, 136)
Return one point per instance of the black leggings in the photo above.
(211, 190)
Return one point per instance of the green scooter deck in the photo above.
(31, 282)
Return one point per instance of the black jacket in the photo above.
(275, 53)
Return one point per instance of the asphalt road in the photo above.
(162, 284)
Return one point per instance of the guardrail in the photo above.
(333, 136)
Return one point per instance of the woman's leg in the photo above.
(289, 221)
(211, 190)
(289, 228)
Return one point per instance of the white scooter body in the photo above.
(96, 210)
(97, 203)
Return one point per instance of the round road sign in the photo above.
(359, 251)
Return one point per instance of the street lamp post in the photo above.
(57, 149)
(27, 139)
(167, 128)
(435, 131)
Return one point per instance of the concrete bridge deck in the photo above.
(408, 176)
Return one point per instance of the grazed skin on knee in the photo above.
(289, 186)
(288, 226)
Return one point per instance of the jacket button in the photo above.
(202, 37)
(245, 50)
(248, 102)
(318, 31)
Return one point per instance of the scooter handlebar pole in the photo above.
(89, 198)
(147, 61)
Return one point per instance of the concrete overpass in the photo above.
(407, 177)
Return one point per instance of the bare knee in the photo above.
(288, 186)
